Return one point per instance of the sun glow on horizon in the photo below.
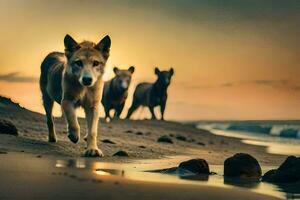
(231, 61)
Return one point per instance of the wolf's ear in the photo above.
(70, 46)
(171, 71)
(131, 69)
(104, 46)
(116, 70)
(156, 71)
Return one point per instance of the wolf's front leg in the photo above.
(73, 126)
(92, 117)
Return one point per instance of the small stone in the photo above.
(197, 166)
(121, 153)
(165, 139)
(181, 137)
(6, 127)
(139, 133)
(201, 143)
(39, 156)
(108, 141)
(129, 131)
(142, 147)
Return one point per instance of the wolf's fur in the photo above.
(73, 79)
(152, 94)
(115, 92)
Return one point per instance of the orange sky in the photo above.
(232, 59)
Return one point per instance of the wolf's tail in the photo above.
(47, 63)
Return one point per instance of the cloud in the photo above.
(16, 77)
(281, 83)
(266, 82)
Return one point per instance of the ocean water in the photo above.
(279, 137)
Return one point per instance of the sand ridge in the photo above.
(136, 137)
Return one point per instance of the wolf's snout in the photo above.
(167, 81)
(124, 85)
(87, 81)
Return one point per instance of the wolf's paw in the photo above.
(93, 153)
(73, 136)
(52, 139)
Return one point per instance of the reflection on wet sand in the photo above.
(145, 172)
(71, 163)
(240, 182)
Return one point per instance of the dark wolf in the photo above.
(152, 94)
(115, 92)
(73, 79)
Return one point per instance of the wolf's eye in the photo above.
(96, 63)
(78, 63)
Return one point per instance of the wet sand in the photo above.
(26, 176)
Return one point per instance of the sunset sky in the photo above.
(233, 59)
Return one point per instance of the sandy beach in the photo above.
(31, 167)
(138, 138)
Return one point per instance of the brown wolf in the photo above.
(115, 91)
(73, 79)
(152, 94)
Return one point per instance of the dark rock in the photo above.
(165, 139)
(201, 143)
(242, 165)
(142, 147)
(3, 152)
(171, 135)
(7, 127)
(181, 137)
(139, 133)
(39, 156)
(129, 131)
(108, 141)
(197, 166)
(121, 153)
(288, 172)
